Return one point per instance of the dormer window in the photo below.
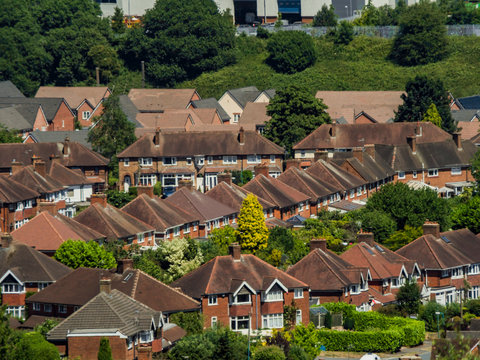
(242, 299)
(212, 300)
(298, 293)
(9, 288)
(275, 294)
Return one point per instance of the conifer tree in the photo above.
(433, 116)
(104, 352)
(252, 231)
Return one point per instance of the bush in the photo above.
(390, 310)
(428, 316)
(347, 310)
(297, 353)
(473, 306)
(268, 353)
(342, 34)
(290, 51)
(349, 324)
(263, 33)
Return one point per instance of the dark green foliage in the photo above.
(295, 113)
(377, 222)
(271, 352)
(349, 323)
(473, 307)
(263, 33)
(180, 40)
(157, 188)
(328, 320)
(9, 136)
(466, 214)
(117, 249)
(117, 21)
(408, 298)
(290, 51)
(476, 170)
(191, 322)
(46, 326)
(459, 13)
(325, 16)
(390, 310)
(422, 37)
(33, 346)
(240, 178)
(428, 316)
(113, 132)
(402, 237)
(297, 353)
(421, 92)
(118, 198)
(384, 15)
(104, 351)
(342, 34)
(78, 253)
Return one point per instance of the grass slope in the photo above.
(362, 65)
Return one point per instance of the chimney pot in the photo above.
(261, 169)
(6, 240)
(235, 251)
(318, 244)
(124, 265)
(105, 285)
(225, 177)
(433, 228)
(295, 163)
(147, 190)
(99, 198)
(366, 237)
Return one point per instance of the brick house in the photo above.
(155, 100)
(211, 103)
(332, 279)
(447, 260)
(24, 270)
(24, 118)
(241, 291)
(195, 156)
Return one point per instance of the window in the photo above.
(216, 224)
(236, 117)
(189, 161)
(140, 238)
(272, 321)
(354, 289)
(241, 299)
(298, 293)
(445, 273)
(146, 336)
(186, 228)
(28, 204)
(18, 223)
(47, 307)
(172, 160)
(474, 269)
(200, 160)
(209, 160)
(20, 206)
(234, 219)
(230, 159)
(414, 174)
(352, 193)
(302, 153)
(385, 282)
(12, 288)
(254, 159)
(239, 322)
(395, 282)
(16, 311)
(176, 231)
(62, 309)
(126, 162)
(42, 285)
(359, 191)
(36, 307)
(272, 158)
(147, 179)
(274, 295)
(213, 322)
(300, 206)
(456, 171)
(457, 272)
(401, 174)
(85, 115)
(75, 308)
(195, 226)
(473, 292)
(212, 300)
(298, 317)
(145, 161)
(432, 172)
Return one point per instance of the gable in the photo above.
(41, 122)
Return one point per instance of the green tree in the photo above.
(295, 113)
(428, 315)
(403, 237)
(223, 237)
(325, 16)
(271, 352)
(191, 322)
(77, 253)
(422, 37)
(408, 298)
(290, 51)
(433, 116)
(180, 40)
(476, 169)
(467, 214)
(117, 21)
(113, 132)
(421, 93)
(104, 351)
(342, 34)
(33, 346)
(9, 136)
(252, 231)
(379, 223)
(119, 198)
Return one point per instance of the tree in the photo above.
(295, 113)
(476, 169)
(223, 237)
(290, 51)
(433, 116)
(180, 40)
(271, 352)
(117, 21)
(379, 223)
(420, 94)
(422, 37)
(9, 136)
(408, 297)
(403, 237)
(77, 253)
(191, 322)
(33, 346)
(467, 214)
(325, 16)
(119, 198)
(252, 231)
(113, 132)
(104, 351)
(342, 34)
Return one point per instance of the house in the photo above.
(8, 89)
(24, 270)
(234, 101)
(331, 278)
(211, 103)
(254, 116)
(85, 101)
(23, 117)
(133, 329)
(468, 122)
(115, 224)
(361, 107)
(195, 156)
(76, 289)
(469, 102)
(389, 270)
(46, 232)
(79, 136)
(447, 260)
(155, 100)
(243, 292)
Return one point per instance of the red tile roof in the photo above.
(12, 191)
(33, 180)
(161, 99)
(306, 183)
(337, 177)
(74, 95)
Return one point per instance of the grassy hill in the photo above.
(362, 65)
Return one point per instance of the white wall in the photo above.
(309, 8)
(137, 7)
(271, 7)
(80, 193)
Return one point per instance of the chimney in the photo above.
(40, 167)
(432, 228)
(332, 132)
(156, 139)
(370, 150)
(49, 206)
(241, 136)
(16, 166)
(320, 155)
(318, 244)
(225, 177)
(185, 183)
(99, 198)
(412, 142)
(105, 285)
(54, 157)
(457, 138)
(292, 163)
(66, 147)
(366, 237)
(235, 251)
(147, 190)
(261, 169)
(124, 265)
(6, 240)
(418, 129)
(358, 153)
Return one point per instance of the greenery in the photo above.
(466, 214)
(271, 352)
(290, 51)
(378, 222)
(252, 231)
(384, 15)
(104, 351)
(295, 113)
(119, 198)
(403, 237)
(422, 37)
(433, 116)
(421, 93)
(325, 16)
(117, 21)
(191, 322)
(9, 135)
(78, 253)
(428, 315)
(240, 178)
(408, 298)
(476, 170)
(341, 34)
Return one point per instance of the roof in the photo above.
(468, 129)
(223, 275)
(380, 105)
(8, 89)
(27, 110)
(114, 311)
(12, 191)
(452, 249)
(306, 183)
(66, 176)
(211, 103)
(11, 118)
(82, 284)
(50, 106)
(30, 265)
(325, 270)
(254, 113)
(371, 169)
(74, 95)
(470, 102)
(33, 180)
(112, 222)
(201, 143)
(465, 115)
(334, 175)
(243, 95)
(129, 109)
(345, 205)
(335, 136)
(199, 205)
(178, 119)
(161, 99)
(275, 191)
(79, 136)
(46, 232)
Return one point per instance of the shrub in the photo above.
(473, 306)
(263, 33)
(342, 34)
(290, 51)
(347, 310)
(429, 317)
(268, 353)
(297, 353)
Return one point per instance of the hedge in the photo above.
(364, 341)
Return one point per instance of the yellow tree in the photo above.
(252, 231)
(432, 115)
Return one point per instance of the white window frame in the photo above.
(42, 285)
(146, 337)
(12, 288)
(209, 159)
(432, 172)
(272, 321)
(189, 161)
(200, 160)
(229, 159)
(473, 269)
(254, 159)
(126, 162)
(359, 191)
(298, 317)
(298, 293)
(147, 179)
(212, 300)
(16, 311)
(172, 162)
(236, 319)
(457, 273)
(236, 302)
(140, 238)
(86, 115)
(176, 231)
(47, 308)
(213, 322)
(457, 170)
(414, 174)
(401, 175)
(236, 117)
(36, 306)
(274, 295)
(272, 159)
(186, 228)
(62, 309)
(354, 289)
(145, 161)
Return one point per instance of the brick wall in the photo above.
(63, 120)
(84, 107)
(221, 311)
(301, 304)
(444, 176)
(86, 348)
